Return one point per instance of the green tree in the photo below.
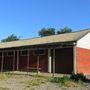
(10, 38)
(46, 32)
(64, 30)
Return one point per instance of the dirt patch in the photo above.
(53, 86)
(25, 82)
(18, 82)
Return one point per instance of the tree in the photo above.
(10, 38)
(47, 32)
(64, 30)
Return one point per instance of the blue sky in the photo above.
(26, 17)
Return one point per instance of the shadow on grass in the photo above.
(86, 80)
(80, 77)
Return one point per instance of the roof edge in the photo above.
(51, 35)
(84, 34)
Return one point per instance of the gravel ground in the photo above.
(15, 83)
(21, 83)
(52, 86)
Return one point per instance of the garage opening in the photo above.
(64, 60)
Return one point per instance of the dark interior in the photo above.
(64, 60)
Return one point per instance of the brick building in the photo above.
(64, 53)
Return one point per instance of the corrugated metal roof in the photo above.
(67, 37)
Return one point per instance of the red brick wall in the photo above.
(83, 60)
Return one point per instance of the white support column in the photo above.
(17, 60)
(74, 60)
(49, 60)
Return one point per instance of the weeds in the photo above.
(60, 79)
(6, 75)
(37, 80)
(2, 88)
(64, 81)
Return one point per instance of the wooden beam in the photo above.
(17, 60)
(13, 60)
(28, 62)
(2, 62)
(37, 64)
(53, 62)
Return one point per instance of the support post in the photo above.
(49, 60)
(37, 64)
(17, 60)
(2, 62)
(13, 60)
(28, 62)
(53, 62)
(74, 59)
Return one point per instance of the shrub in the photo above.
(77, 77)
(74, 77)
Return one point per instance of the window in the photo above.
(10, 53)
(39, 52)
(24, 52)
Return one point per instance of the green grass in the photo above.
(64, 81)
(6, 75)
(37, 80)
(1, 88)
(60, 79)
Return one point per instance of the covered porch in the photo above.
(57, 58)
